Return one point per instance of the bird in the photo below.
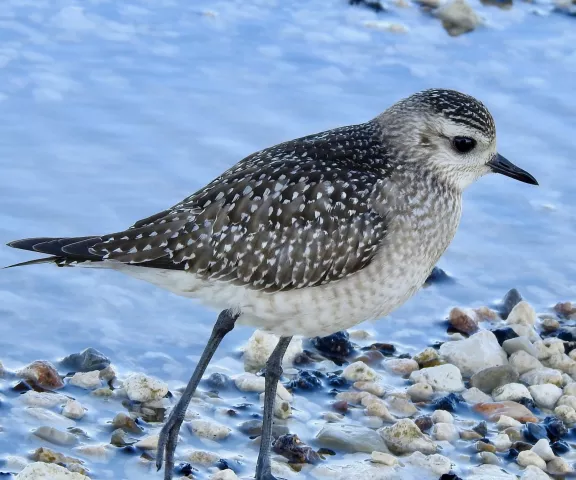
(310, 236)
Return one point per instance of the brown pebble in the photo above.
(43, 374)
(126, 422)
(462, 322)
(470, 435)
(370, 357)
(291, 447)
(493, 410)
(340, 406)
(484, 447)
(485, 314)
(565, 309)
(521, 446)
(48, 455)
(424, 422)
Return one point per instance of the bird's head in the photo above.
(449, 133)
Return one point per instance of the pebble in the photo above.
(463, 320)
(565, 309)
(249, 382)
(126, 423)
(86, 361)
(434, 465)
(474, 354)
(443, 378)
(542, 375)
(458, 17)
(383, 458)
(506, 422)
(503, 334)
(445, 431)
(47, 416)
(490, 378)
(543, 450)
(420, 392)
(548, 347)
(510, 300)
(371, 387)
(501, 442)
(532, 472)
(226, 474)
(107, 374)
(359, 372)
(401, 366)
(209, 429)
(489, 458)
(73, 409)
(555, 428)
(351, 438)
(376, 407)
(522, 314)
(260, 347)
(43, 399)
(511, 391)
(426, 357)
(143, 388)
(566, 413)
(534, 432)
(519, 344)
(558, 466)
(523, 362)
(254, 428)
(400, 404)
(550, 324)
(42, 374)
(292, 448)
(337, 344)
(97, 453)
(475, 395)
(201, 457)
(570, 389)
(87, 380)
(47, 455)
(48, 471)
(484, 446)
(511, 409)
(448, 403)
(569, 400)
(148, 443)
(561, 361)
(489, 472)
(405, 437)
(528, 457)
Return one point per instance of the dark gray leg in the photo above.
(169, 433)
(273, 374)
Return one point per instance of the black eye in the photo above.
(463, 144)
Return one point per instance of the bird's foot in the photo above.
(266, 475)
(167, 445)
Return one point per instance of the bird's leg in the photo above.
(169, 434)
(273, 374)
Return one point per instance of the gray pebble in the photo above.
(492, 377)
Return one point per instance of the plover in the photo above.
(310, 236)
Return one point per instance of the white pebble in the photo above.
(523, 362)
(445, 431)
(87, 380)
(542, 375)
(567, 400)
(148, 443)
(505, 422)
(543, 450)
(545, 395)
(359, 371)
(226, 474)
(442, 416)
(475, 395)
(528, 457)
(143, 388)
(49, 417)
(566, 413)
(533, 473)
(260, 347)
(502, 442)
(570, 389)
(73, 409)
(209, 429)
(401, 366)
(248, 382)
(523, 314)
(420, 392)
(101, 453)
(371, 387)
(384, 458)
(42, 399)
(48, 471)
(511, 391)
(443, 378)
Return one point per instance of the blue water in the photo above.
(112, 111)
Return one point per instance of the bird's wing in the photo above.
(295, 215)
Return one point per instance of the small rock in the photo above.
(405, 437)
(505, 422)
(437, 465)
(42, 399)
(248, 382)
(143, 388)
(558, 467)
(73, 409)
(533, 473)
(449, 402)
(41, 373)
(458, 17)
(489, 472)
(491, 378)
(570, 389)
(107, 374)
(474, 354)
(424, 422)
(420, 392)
(291, 447)
(400, 405)
(226, 474)
(437, 275)
(522, 314)
(350, 438)
(371, 387)
(519, 344)
(534, 432)
(475, 395)
(126, 423)
(200, 457)
(97, 453)
(523, 362)
(443, 378)
(510, 300)
(503, 334)
(511, 391)
(261, 345)
(566, 413)
(548, 347)
(86, 361)
(401, 366)
(562, 362)
(489, 458)
(384, 458)
(253, 428)
(305, 380)
(542, 375)
(481, 428)
(120, 438)
(55, 436)
(359, 371)
(502, 442)
(528, 457)
(543, 450)
(445, 431)
(482, 446)
(209, 429)
(47, 455)
(426, 357)
(48, 471)
(218, 381)
(565, 309)
(148, 443)
(568, 400)
(494, 410)
(337, 344)
(550, 324)
(555, 428)
(87, 380)
(463, 321)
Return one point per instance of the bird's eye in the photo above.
(463, 144)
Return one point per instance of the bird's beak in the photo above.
(499, 164)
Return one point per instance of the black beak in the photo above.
(499, 164)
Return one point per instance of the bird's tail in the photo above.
(64, 251)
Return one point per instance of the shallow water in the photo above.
(112, 111)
